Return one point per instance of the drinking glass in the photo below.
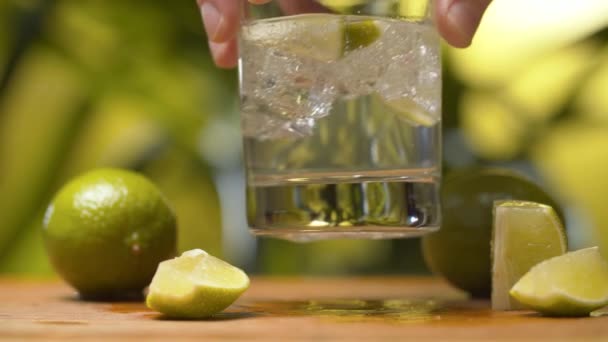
(341, 118)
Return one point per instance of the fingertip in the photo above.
(224, 54)
(220, 18)
(458, 20)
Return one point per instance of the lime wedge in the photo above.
(524, 234)
(573, 284)
(195, 285)
(600, 313)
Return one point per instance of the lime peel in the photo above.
(360, 34)
(573, 284)
(195, 285)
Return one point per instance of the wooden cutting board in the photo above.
(287, 309)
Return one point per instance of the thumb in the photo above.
(457, 20)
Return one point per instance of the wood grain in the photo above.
(345, 309)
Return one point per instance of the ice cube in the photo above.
(260, 123)
(413, 73)
(294, 87)
(359, 70)
(257, 121)
(287, 91)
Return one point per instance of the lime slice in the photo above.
(195, 285)
(410, 111)
(573, 284)
(525, 233)
(322, 37)
(315, 36)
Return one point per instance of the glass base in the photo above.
(371, 233)
(371, 209)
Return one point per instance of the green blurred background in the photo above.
(91, 83)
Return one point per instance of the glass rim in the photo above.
(416, 10)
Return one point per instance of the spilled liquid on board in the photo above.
(346, 310)
(354, 310)
(128, 308)
(349, 310)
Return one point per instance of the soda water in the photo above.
(342, 123)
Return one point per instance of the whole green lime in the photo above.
(460, 250)
(106, 232)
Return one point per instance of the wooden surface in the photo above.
(372, 309)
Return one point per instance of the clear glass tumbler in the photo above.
(341, 118)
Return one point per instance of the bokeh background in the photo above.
(92, 83)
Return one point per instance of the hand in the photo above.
(457, 21)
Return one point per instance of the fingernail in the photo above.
(216, 50)
(464, 17)
(213, 20)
